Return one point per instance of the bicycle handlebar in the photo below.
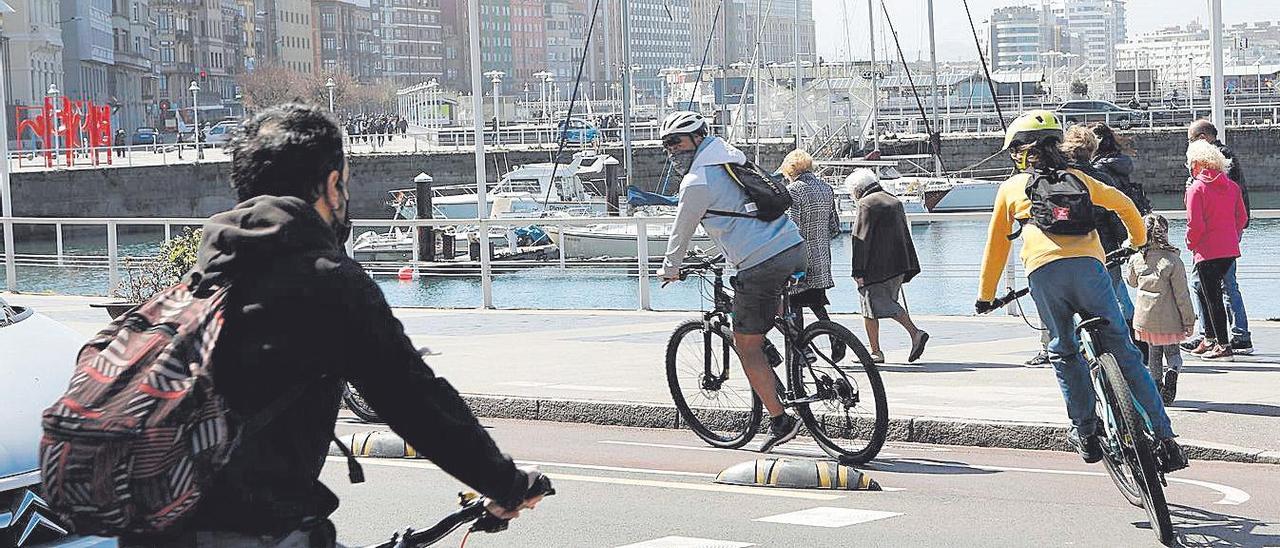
(1113, 260)
(704, 264)
(474, 509)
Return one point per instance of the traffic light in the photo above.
(204, 76)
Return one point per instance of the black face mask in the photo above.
(342, 227)
(682, 162)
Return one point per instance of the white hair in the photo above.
(1205, 154)
(859, 177)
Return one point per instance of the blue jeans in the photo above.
(1236, 315)
(1235, 306)
(1122, 293)
(1067, 287)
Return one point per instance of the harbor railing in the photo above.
(641, 265)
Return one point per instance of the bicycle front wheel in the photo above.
(839, 393)
(1138, 449)
(709, 386)
(355, 402)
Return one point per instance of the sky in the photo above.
(955, 40)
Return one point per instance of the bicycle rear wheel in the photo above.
(709, 386)
(839, 393)
(1138, 447)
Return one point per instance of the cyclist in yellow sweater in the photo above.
(1066, 275)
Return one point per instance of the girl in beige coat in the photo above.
(1163, 314)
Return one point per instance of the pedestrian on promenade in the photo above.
(813, 210)
(884, 258)
(120, 142)
(1164, 315)
(1112, 160)
(1241, 338)
(1216, 217)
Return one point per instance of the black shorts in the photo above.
(810, 298)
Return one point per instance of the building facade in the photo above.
(346, 40)
(131, 80)
(411, 38)
(34, 53)
(1096, 26)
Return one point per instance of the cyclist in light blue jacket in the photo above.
(765, 253)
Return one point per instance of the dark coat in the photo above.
(299, 309)
(1236, 173)
(1120, 167)
(882, 246)
(1110, 229)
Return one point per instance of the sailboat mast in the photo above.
(875, 80)
(933, 59)
(795, 40)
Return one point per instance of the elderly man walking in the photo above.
(884, 258)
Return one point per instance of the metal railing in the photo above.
(640, 265)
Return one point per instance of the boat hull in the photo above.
(587, 244)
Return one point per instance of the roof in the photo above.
(926, 80)
(1242, 70)
(1028, 76)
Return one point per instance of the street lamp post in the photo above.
(1020, 64)
(329, 84)
(495, 77)
(53, 91)
(1191, 83)
(1257, 68)
(543, 78)
(194, 88)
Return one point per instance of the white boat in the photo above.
(955, 195)
(618, 241)
(571, 191)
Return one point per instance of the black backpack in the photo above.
(767, 198)
(1060, 204)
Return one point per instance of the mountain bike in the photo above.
(1131, 452)
(830, 379)
(473, 510)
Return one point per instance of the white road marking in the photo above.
(575, 387)
(688, 542)
(1230, 495)
(711, 487)
(826, 516)
(792, 445)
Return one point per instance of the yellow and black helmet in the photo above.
(1032, 127)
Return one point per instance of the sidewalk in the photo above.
(970, 388)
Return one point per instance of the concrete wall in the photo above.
(201, 190)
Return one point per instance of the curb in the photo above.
(933, 430)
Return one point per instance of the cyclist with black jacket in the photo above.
(1066, 275)
(300, 311)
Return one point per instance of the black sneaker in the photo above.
(1040, 360)
(1242, 346)
(1191, 344)
(1172, 458)
(1169, 392)
(1089, 449)
(782, 429)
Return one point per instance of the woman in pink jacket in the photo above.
(1216, 217)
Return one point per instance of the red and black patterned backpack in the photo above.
(140, 432)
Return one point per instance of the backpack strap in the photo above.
(355, 472)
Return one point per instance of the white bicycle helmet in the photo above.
(682, 122)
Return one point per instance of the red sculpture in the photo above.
(76, 122)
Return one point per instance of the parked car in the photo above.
(145, 136)
(1082, 111)
(579, 131)
(39, 356)
(220, 133)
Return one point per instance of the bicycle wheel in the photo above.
(1127, 478)
(1138, 447)
(839, 393)
(355, 402)
(709, 386)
